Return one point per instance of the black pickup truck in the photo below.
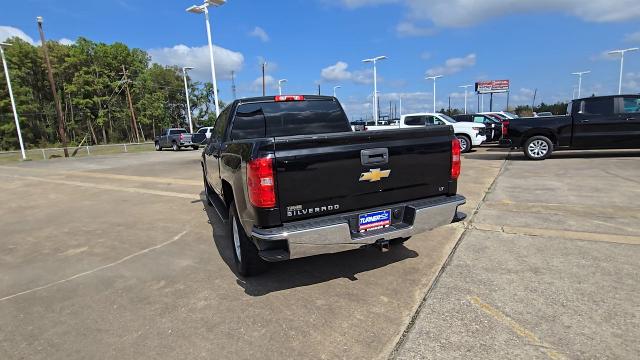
(602, 122)
(296, 181)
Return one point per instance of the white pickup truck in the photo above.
(469, 134)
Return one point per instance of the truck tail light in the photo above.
(455, 159)
(281, 98)
(181, 136)
(261, 182)
(505, 128)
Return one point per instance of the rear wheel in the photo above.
(248, 262)
(158, 147)
(465, 143)
(538, 148)
(195, 147)
(175, 146)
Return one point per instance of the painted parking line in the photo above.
(99, 175)
(517, 328)
(141, 252)
(110, 187)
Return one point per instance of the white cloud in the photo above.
(7, 32)
(461, 13)
(65, 41)
(270, 82)
(260, 34)
(633, 37)
(409, 29)
(198, 57)
(339, 72)
(631, 83)
(425, 55)
(453, 65)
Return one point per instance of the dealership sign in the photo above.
(492, 86)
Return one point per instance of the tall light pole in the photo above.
(621, 52)
(465, 96)
(580, 73)
(186, 91)
(280, 82)
(204, 8)
(335, 88)
(434, 88)
(375, 85)
(13, 102)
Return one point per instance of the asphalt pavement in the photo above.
(119, 257)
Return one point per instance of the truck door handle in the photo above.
(630, 119)
(584, 121)
(372, 157)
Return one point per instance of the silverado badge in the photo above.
(374, 175)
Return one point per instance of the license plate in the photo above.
(374, 220)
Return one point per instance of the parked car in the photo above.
(542, 114)
(201, 136)
(175, 138)
(493, 127)
(470, 135)
(296, 181)
(602, 122)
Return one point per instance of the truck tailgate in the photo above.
(326, 174)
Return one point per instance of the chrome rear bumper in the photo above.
(333, 234)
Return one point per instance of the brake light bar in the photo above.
(281, 98)
(455, 159)
(261, 183)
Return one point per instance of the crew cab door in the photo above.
(213, 150)
(596, 124)
(629, 120)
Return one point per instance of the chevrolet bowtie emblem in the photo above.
(374, 175)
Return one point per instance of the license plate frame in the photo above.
(374, 220)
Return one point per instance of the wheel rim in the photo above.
(538, 148)
(463, 143)
(236, 240)
(157, 146)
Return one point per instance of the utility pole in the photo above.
(318, 89)
(134, 123)
(13, 102)
(449, 106)
(233, 84)
(533, 104)
(56, 99)
(264, 87)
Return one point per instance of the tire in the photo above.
(538, 148)
(245, 254)
(158, 147)
(195, 147)
(175, 146)
(465, 143)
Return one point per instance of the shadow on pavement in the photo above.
(306, 271)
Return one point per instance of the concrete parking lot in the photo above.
(118, 257)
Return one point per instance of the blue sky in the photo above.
(536, 44)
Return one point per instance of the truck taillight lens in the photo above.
(261, 183)
(505, 128)
(455, 159)
(181, 136)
